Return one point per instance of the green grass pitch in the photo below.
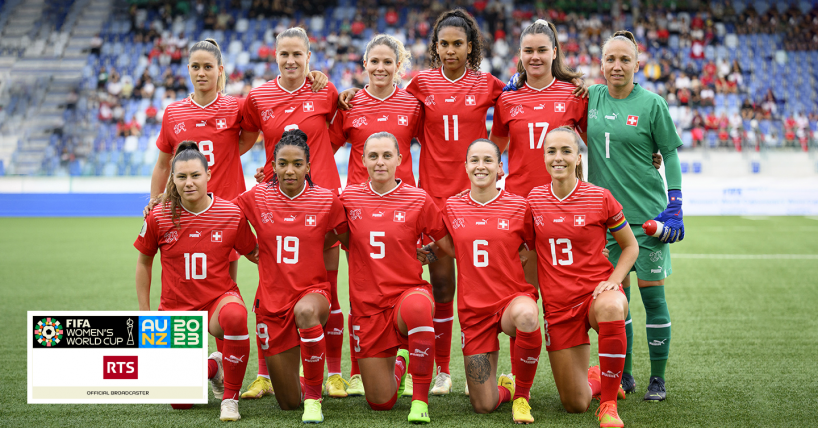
(743, 352)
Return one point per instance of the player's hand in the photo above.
(318, 79)
(605, 252)
(523, 260)
(253, 255)
(657, 160)
(422, 257)
(463, 193)
(672, 217)
(151, 203)
(581, 90)
(605, 286)
(345, 98)
(259, 176)
(511, 85)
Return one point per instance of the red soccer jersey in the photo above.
(291, 235)
(527, 115)
(570, 236)
(383, 235)
(195, 258)
(216, 128)
(454, 116)
(399, 114)
(487, 238)
(273, 110)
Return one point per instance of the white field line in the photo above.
(746, 256)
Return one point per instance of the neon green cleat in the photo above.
(402, 387)
(312, 412)
(259, 388)
(521, 411)
(356, 386)
(336, 386)
(410, 386)
(608, 416)
(419, 414)
(507, 382)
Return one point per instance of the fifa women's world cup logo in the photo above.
(48, 332)
(129, 324)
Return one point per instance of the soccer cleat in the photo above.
(443, 384)
(312, 412)
(608, 417)
(402, 387)
(656, 389)
(628, 383)
(259, 388)
(419, 414)
(230, 410)
(336, 386)
(356, 386)
(217, 381)
(521, 411)
(410, 386)
(467, 389)
(594, 373)
(507, 382)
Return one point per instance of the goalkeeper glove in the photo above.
(512, 83)
(672, 218)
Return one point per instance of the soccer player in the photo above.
(293, 217)
(196, 233)
(287, 102)
(391, 304)
(580, 288)
(488, 227)
(627, 123)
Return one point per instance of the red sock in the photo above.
(527, 349)
(384, 406)
(505, 396)
(212, 368)
(262, 366)
(334, 329)
(313, 349)
(354, 370)
(233, 320)
(612, 347)
(443, 320)
(416, 311)
(219, 345)
(511, 341)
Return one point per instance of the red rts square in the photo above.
(120, 367)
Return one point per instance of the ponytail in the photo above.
(210, 45)
(626, 36)
(559, 69)
(171, 199)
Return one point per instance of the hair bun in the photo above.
(187, 145)
(541, 21)
(213, 42)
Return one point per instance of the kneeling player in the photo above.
(580, 288)
(390, 303)
(293, 218)
(196, 233)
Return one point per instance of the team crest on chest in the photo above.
(354, 214)
(267, 218)
(310, 220)
(359, 122)
(308, 106)
(216, 236)
(430, 100)
(267, 114)
(538, 220)
(471, 100)
(579, 220)
(502, 224)
(403, 120)
(632, 120)
(179, 127)
(221, 123)
(592, 113)
(458, 223)
(518, 109)
(399, 217)
(559, 107)
(171, 236)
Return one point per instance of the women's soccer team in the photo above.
(548, 234)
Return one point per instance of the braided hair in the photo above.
(461, 19)
(293, 137)
(171, 199)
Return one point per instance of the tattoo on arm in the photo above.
(478, 368)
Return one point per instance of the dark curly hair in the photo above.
(293, 137)
(461, 19)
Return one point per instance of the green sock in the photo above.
(629, 334)
(657, 323)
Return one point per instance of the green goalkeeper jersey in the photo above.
(622, 137)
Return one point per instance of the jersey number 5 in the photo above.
(567, 250)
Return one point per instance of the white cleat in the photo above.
(230, 410)
(217, 381)
(443, 384)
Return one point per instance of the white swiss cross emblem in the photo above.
(470, 100)
(579, 220)
(633, 120)
(502, 224)
(559, 107)
(308, 106)
(216, 236)
(400, 217)
(403, 120)
(309, 220)
(221, 123)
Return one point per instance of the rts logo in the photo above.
(120, 367)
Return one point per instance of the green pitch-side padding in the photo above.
(657, 323)
(629, 334)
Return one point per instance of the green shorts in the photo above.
(653, 262)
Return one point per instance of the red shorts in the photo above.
(481, 336)
(276, 334)
(378, 336)
(568, 327)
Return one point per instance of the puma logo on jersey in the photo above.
(179, 127)
(430, 100)
(419, 353)
(290, 218)
(451, 99)
(655, 342)
(530, 360)
(518, 109)
(383, 119)
(458, 223)
(354, 215)
(482, 222)
(359, 122)
(221, 123)
(201, 124)
(611, 374)
(611, 117)
(378, 214)
(559, 220)
(267, 114)
(539, 107)
(314, 359)
(267, 218)
(196, 235)
(234, 360)
(289, 110)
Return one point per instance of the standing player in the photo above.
(390, 302)
(489, 226)
(292, 218)
(196, 233)
(580, 288)
(286, 103)
(627, 123)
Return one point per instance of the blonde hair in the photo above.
(210, 45)
(402, 56)
(559, 69)
(577, 141)
(625, 36)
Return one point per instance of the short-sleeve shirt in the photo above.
(487, 238)
(526, 115)
(272, 110)
(383, 235)
(622, 137)
(570, 235)
(196, 257)
(454, 116)
(291, 235)
(216, 128)
(399, 114)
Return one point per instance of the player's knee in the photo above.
(482, 406)
(611, 308)
(289, 403)
(527, 318)
(443, 290)
(575, 404)
(233, 318)
(306, 315)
